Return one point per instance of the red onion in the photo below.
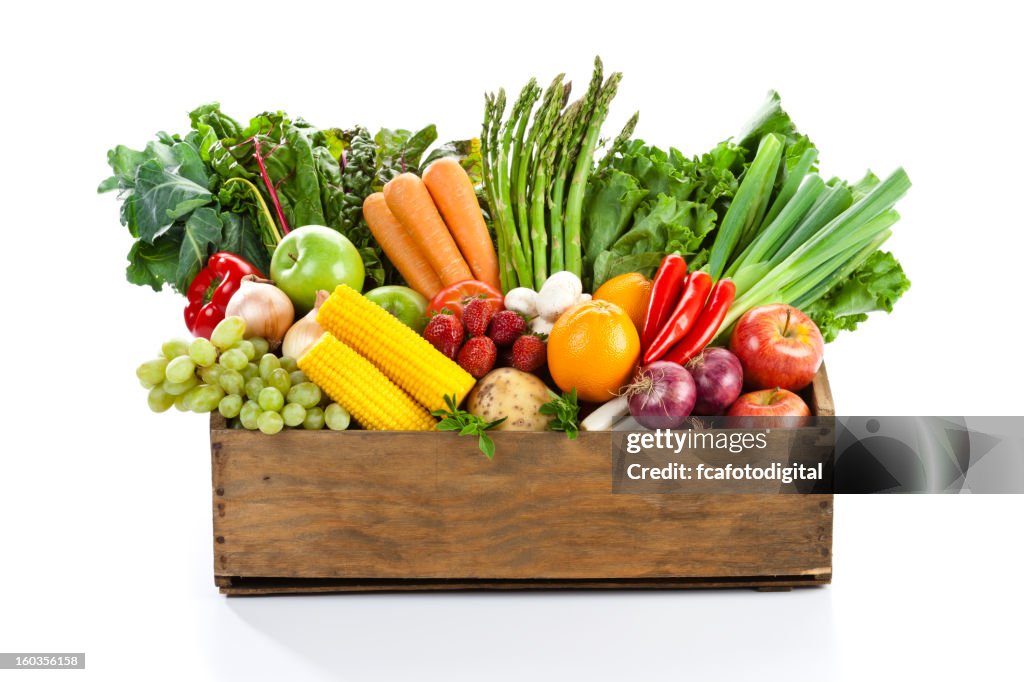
(718, 374)
(662, 395)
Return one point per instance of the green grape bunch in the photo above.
(251, 387)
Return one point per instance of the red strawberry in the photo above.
(478, 355)
(529, 353)
(477, 315)
(445, 332)
(506, 327)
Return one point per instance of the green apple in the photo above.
(311, 258)
(408, 305)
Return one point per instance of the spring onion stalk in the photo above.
(848, 233)
(752, 195)
(839, 274)
(771, 237)
(832, 202)
(793, 181)
(802, 264)
(837, 263)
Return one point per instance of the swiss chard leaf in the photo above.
(466, 152)
(399, 151)
(240, 236)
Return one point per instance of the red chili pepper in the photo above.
(707, 324)
(212, 288)
(668, 283)
(691, 302)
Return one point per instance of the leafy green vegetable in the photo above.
(454, 419)
(875, 285)
(644, 203)
(466, 152)
(399, 151)
(566, 412)
(172, 207)
(240, 188)
(756, 211)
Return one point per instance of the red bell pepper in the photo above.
(212, 288)
(707, 324)
(668, 282)
(691, 303)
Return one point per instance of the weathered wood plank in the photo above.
(374, 506)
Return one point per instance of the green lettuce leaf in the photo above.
(875, 285)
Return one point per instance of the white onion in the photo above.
(267, 311)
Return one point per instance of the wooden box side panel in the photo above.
(428, 506)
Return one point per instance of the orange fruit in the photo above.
(631, 292)
(595, 348)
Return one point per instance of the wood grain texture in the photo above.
(366, 510)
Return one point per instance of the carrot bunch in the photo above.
(432, 228)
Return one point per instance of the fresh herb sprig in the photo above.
(454, 419)
(566, 412)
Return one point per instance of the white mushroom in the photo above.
(560, 292)
(523, 301)
(540, 325)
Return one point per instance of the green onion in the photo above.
(842, 239)
(748, 205)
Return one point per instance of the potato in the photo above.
(507, 392)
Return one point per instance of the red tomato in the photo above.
(455, 297)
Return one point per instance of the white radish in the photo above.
(604, 417)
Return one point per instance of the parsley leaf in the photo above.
(566, 412)
(454, 419)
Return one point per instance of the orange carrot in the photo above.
(453, 193)
(399, 246)
(409, 200)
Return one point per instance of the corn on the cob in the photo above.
(401, 354)
(355, 384)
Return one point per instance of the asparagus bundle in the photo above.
(535, 179)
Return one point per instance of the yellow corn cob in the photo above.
(355, 384)
(401, 354)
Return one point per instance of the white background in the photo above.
(105, 507)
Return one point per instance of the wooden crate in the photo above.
(354, 511)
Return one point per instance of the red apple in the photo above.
(771, 402)
(778, 346)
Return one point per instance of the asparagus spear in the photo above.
(521, 159)
(619, 143)
(519, 238)
(567, 159)
(505, 272)
(542, 132)
(543, 122)
(584, 163)
(558, 148)
(502, 206)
